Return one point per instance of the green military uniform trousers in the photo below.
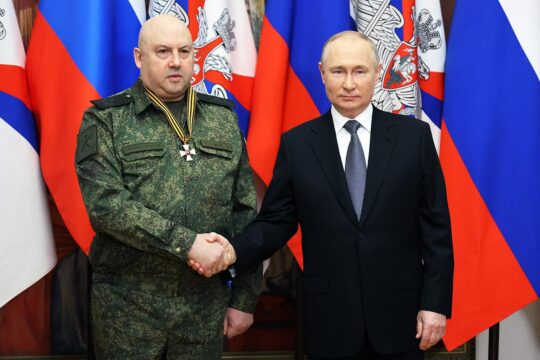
(144, 326)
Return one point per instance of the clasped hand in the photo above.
(211, 253)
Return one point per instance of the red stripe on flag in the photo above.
(434, 86)
(489, 283)
(193, 11)
(408, 21)
(60, 93)
(14, 83)
(280, 102)
(240, 87)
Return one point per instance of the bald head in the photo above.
(165, 56)
(158, 26)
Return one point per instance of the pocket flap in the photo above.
(219, 145)
(130, 149)
(143, 150)
(220, 148)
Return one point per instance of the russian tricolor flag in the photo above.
(26, 247)
(79, 50)
(490, 152)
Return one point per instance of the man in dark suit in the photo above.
(368, 192)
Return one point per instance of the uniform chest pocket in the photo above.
(142, 159)
(221, 149)
(141, 151)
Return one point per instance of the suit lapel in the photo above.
(381, 146)
(322, 139)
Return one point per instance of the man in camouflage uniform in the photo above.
(151, 208)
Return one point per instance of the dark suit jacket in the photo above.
(370, 276)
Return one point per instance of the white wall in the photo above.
(519, 336)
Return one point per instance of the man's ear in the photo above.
(321, 70)
(137, 56)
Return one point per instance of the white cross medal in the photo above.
(187, 152)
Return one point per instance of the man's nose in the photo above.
(176, 59)
(348, 82)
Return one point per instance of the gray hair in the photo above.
(356, 34)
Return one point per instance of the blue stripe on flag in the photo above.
(184, 5)
(280, 13)
(19, 117)
(314, 22)
(432, 107)
(398, 4)
(243, 117)
(100, 36)
(495, 123)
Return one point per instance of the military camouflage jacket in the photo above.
(147, 203)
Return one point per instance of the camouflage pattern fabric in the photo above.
(135, 325)
(147, 203)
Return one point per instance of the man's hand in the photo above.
(430, 328)
(236, 322)
(210, 254)
(229, 255)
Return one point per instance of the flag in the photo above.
(225, 53)
(411, 45)
(79, 50)
(27, 248)
(490, 152)
(288, 89)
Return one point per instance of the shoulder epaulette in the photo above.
(112, 101)
(216, 100)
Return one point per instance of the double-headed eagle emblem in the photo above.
(402, 66)
(207, 57)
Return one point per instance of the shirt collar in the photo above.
(364, 118)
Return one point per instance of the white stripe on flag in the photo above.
(435, 130)
(27, 249)
(435, 58)
(12, 52)
(523, 17)
(244, 58)
(139, 9)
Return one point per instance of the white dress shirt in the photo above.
(344, 137)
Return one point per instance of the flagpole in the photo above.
(493, 352)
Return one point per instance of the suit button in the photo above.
(361, 235)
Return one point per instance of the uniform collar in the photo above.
(141, 100)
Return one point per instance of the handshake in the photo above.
(211, 253)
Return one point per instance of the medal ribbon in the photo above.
(170, 117)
